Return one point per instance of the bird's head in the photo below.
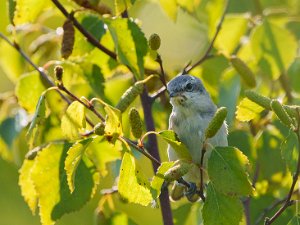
(188, 93)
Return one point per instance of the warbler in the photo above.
(192, 110)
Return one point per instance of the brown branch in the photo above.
(90, 38)
(201, 194)
(288, 202)
(162, 74)
(207, 52)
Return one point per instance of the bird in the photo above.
(192, 110)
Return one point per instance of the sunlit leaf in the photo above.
(113, 127)
(221, 209)
(51, 186)
(27, 186)
(23, 7)
(229, 163)
(233, 28)
(29, 89)
(270, 42)
(133, 185)
(75, 154)
(247, 110)
(102, 152)
(170, 8)
(73, 120)
(172, 139)
(158, 179)
(120, 218)
(37, 120)
(122, 5)
(130, 43)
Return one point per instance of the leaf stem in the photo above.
(207, 52)
(201, 194)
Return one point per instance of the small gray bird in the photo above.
(192, 111)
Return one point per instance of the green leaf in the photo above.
(11, 10)
(221, 209)
(113, 126)
(94, 77)
(270, 43)
(29, 89)
(102, 152)
(51, 185)
(37, 120)
(170, 8)
(28, 10)
(73, 120)
(172, 139)
(289, 151)
(133, 185)
(75, 154)
(233, 28)
(27, 186)
(229, 163)
(295, 220)
(247, 110)
(130, 43)
(158, 179)
(94, 25)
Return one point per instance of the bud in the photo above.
(68, 39)
(177, 192)
(281, 113)
(259, 99)
(135, 123)
(179, 169)
(58, 70)
(154, 42)
(194, 198)
(216, 122)
(99, 129)
(245, 72)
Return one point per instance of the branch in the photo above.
(288, 202)
(201, 174)
(90, 38)
(207, 53)
(38, 69)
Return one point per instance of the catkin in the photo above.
(259, 99)
(245, 72)
(135, 123)
(68, 39)
(216, 122)
(281, 113)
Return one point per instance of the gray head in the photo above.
(188, 93)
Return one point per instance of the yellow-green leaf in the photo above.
(247, 110)
(50, 182)
(170, 8)
(75, 153)
(158, 179)
(172, 139)
(130, 43)
(29, 89)
(122, 5)
(133, 185)
(73, 121)
(27, 185)
(113, 126)
(37, 120)
(226, 171)
(221, 209)
(28, 10)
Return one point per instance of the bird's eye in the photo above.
(189, 87)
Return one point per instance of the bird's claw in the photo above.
(192, 189)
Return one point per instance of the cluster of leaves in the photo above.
(62, 168)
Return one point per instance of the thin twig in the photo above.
(40, 70)
(90, 38)
(271, 207)
(88, 106)
(207, 52)
(158, 93)
(288, 200)
(162, 75)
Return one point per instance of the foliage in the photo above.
(74, 141)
